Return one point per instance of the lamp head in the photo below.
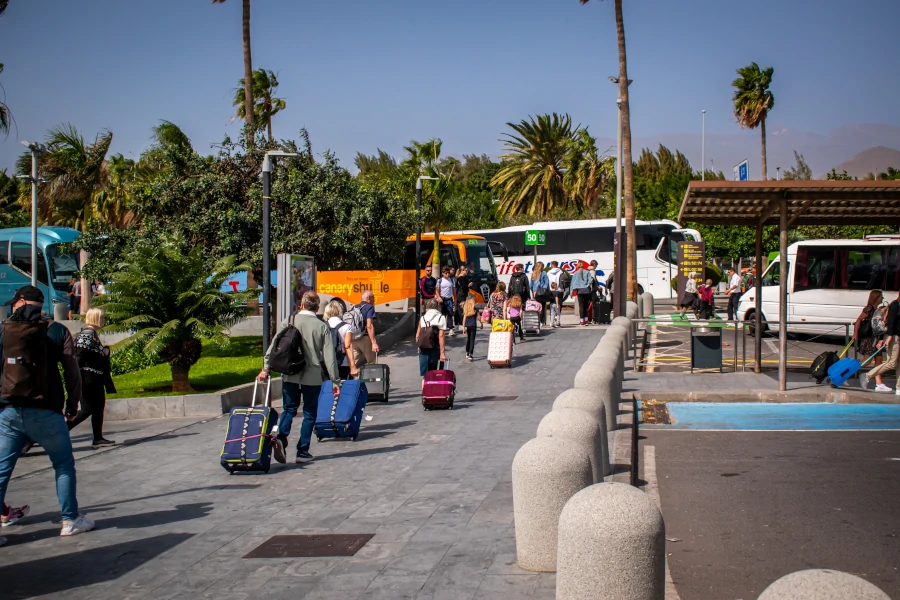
(267, 159)
(421, 178)
(703, 111)
(33, 146)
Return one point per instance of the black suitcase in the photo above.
(377, 378)
(602, 312)
(821, 364)
(249, 435)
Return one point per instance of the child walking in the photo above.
(470, 322)
(555, 307)
(514, 315)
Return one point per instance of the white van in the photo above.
(828, 281)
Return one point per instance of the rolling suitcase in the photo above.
(341, 417)
(377, 378)
(602, 312)
(439, 388)
(249, 435)
(820, 366)
(531, 322)
(846, 368)
(500, 347)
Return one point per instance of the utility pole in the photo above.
(419, 242)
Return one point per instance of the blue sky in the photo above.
(363, 74)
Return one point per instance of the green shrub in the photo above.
(130, 359)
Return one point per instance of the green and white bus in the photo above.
(55, 267)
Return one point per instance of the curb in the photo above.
(830, 396)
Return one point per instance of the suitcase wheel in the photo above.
(353, 439)
(318, 438)
(492, 366)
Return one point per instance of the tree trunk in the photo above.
(270, 127)
(85, 285)
(250, 117)
(627, 163)
(595, 205)
(180, 381)
(436, 257)
(762, 129)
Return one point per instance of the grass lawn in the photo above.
(218, 368)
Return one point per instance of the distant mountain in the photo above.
(874, 160)
(821, 152)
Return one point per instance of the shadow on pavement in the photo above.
(390, 426)
(57, 574)
(367, 452)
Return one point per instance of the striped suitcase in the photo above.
(248, 438)
(341, 417)
(439, 388)
(531, 322)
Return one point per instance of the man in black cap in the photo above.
(32, 399)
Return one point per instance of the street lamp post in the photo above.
(36, 149)
(777, 173)
(267, 241)
(419, 241)
(620, 240)
(703, 148)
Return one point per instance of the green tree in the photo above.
(172, 300)
(800, 171)
(753, 100)
(265, 86)
(890, 175)
(530, 179)
(835, 176)
(587, 173)
(249, 114)
(11, 213)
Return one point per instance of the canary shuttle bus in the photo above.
(571, 242)
(55, 267)
(828, 281)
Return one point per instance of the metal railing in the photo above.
(740, 341)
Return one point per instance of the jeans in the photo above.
(447, 309)
(428, 360)
(47, 428)
(470, 339)
(554, 313)
(893, 354)
(733, 301)
(292, 393)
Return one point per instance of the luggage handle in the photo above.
(255, 391)
(841, 355)
(874, 354)
(444, 365)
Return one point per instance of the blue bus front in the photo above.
(55, 267)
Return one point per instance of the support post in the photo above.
(783, 279)
(757, 351)
(418, 249)
(34, 219)
(266, 255)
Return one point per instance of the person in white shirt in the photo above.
(346, 367)
(446, 288)
(734, 293)
(689, 298)
(430, 337)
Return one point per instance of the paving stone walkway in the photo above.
(433, 487)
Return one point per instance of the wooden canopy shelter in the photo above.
(788, 204)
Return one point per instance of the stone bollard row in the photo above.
(631, 311)
(821, 584)
(546, 472)
(599, 378)
(625, 325)
(648, 308)
(611, 545)
(585, 430)
(616, 336)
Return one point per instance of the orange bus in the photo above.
(395, 289)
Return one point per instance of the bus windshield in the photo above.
(479, 258)
(62, 267)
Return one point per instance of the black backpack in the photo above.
(565, 280)
(25, 361)
(287, 352)
(518, 285)
(338, 340)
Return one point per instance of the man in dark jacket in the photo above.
(519, 284)
(31, 408)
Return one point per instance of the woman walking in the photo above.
(470, 322)
(513, 312)
(581, 283)
(540, 289)
(865, 338)
(430, 338)
(689, 299)
(342, 338)
(96, 377)
(497, 303)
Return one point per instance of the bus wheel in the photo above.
(751, 319)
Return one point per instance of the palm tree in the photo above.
(172, 301)
(531, 176)
(753, 101)
(265, 84)
(587, 174)
(114, 202)
(424, 158)
(249, 115)
(627, 164)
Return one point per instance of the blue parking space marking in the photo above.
(715, 416)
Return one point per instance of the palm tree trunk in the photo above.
(762, 129)
(436, 257)
(180, 382)
(270, 124)
(627, 164)
(595, 204)
(248, 68)
(85, 286)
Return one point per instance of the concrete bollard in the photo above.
(631, 311)
(60, 312)
(600, 379)
(619, 336)
(585, 430)
(648, 309)
(625, 324)
(616, 354)
(581, 399)
(546, 472)
(610, 352)
(822, 584)
(611, 545)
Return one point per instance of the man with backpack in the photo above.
(316, 358)
(32, 399)
(519, 285)
(361, 319)
(892, 341)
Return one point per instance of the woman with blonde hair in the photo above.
(342, 338)
(96, 376)
(540, 289)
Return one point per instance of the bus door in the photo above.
(16, 269)
(666, 269)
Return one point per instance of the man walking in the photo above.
(318, 352)
(32, 398)
(734, 293)
(519, 284)
(365, 347)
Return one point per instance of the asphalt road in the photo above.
(751, 507)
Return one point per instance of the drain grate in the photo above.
(310, 546)
(655, 412)
(495, 399)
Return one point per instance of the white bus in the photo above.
(570, 242)
(828, 281)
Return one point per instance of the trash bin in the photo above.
(706, 348)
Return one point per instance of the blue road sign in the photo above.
(742, 171)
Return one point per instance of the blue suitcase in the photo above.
(846, 368)
(248, 438)
(341, 417)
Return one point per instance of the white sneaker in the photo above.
(80, 525)
(882, 388)
(897, 391)
(864, 381)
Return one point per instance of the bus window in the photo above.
(862, 268)
(814, 269)
(4, 253)
(62, 268)
(647, 237)
(668, 251)
(514, 242)
(892, 275)
(582, 240)
(20, 258)
(773, 275)
(480, 259)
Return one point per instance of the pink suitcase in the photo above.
(439, 388)
(500, 345)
